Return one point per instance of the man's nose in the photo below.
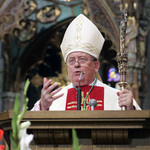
(77, 63)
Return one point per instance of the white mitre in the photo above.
(82, 35)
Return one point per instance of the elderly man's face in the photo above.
(78, 62)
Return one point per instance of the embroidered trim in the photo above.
(74, 106)
(99, 105)
(99, 101)
(84, 46)
(73, 102)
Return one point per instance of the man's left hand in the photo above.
(125, 98)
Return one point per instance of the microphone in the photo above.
(79, 94)
(92, 103)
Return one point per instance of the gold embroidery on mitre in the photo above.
(79, 26)
(85, 46)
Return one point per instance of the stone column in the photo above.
(1, 77)
(8, 100)
(146, 103)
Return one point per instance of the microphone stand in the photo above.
(79, 94)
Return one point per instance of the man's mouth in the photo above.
(77, 72)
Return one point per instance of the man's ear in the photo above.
(97, 65)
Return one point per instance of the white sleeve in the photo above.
(137, 107)
(36, 106)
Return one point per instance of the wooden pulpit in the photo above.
(96, 130)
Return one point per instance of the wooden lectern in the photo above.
(116, 130)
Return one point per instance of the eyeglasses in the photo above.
(81, 60)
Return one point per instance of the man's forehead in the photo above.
(75, 54)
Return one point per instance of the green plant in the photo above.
(75, 140)
(17, 117)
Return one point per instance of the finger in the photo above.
(50, 95)
(122, 102)
(47, 84)
(56, 97)
(50, 88)
(44, 80)
(118, 93)
(121, 96)
(124, 91)
(56, 91)
(121, 105)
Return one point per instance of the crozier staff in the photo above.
(81, 47)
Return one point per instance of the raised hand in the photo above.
(48, 94)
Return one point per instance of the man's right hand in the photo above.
(48, 93)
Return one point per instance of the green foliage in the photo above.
(75, 140)
(16, 120)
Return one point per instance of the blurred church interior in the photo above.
(31, 32)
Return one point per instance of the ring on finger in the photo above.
(50, 95)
